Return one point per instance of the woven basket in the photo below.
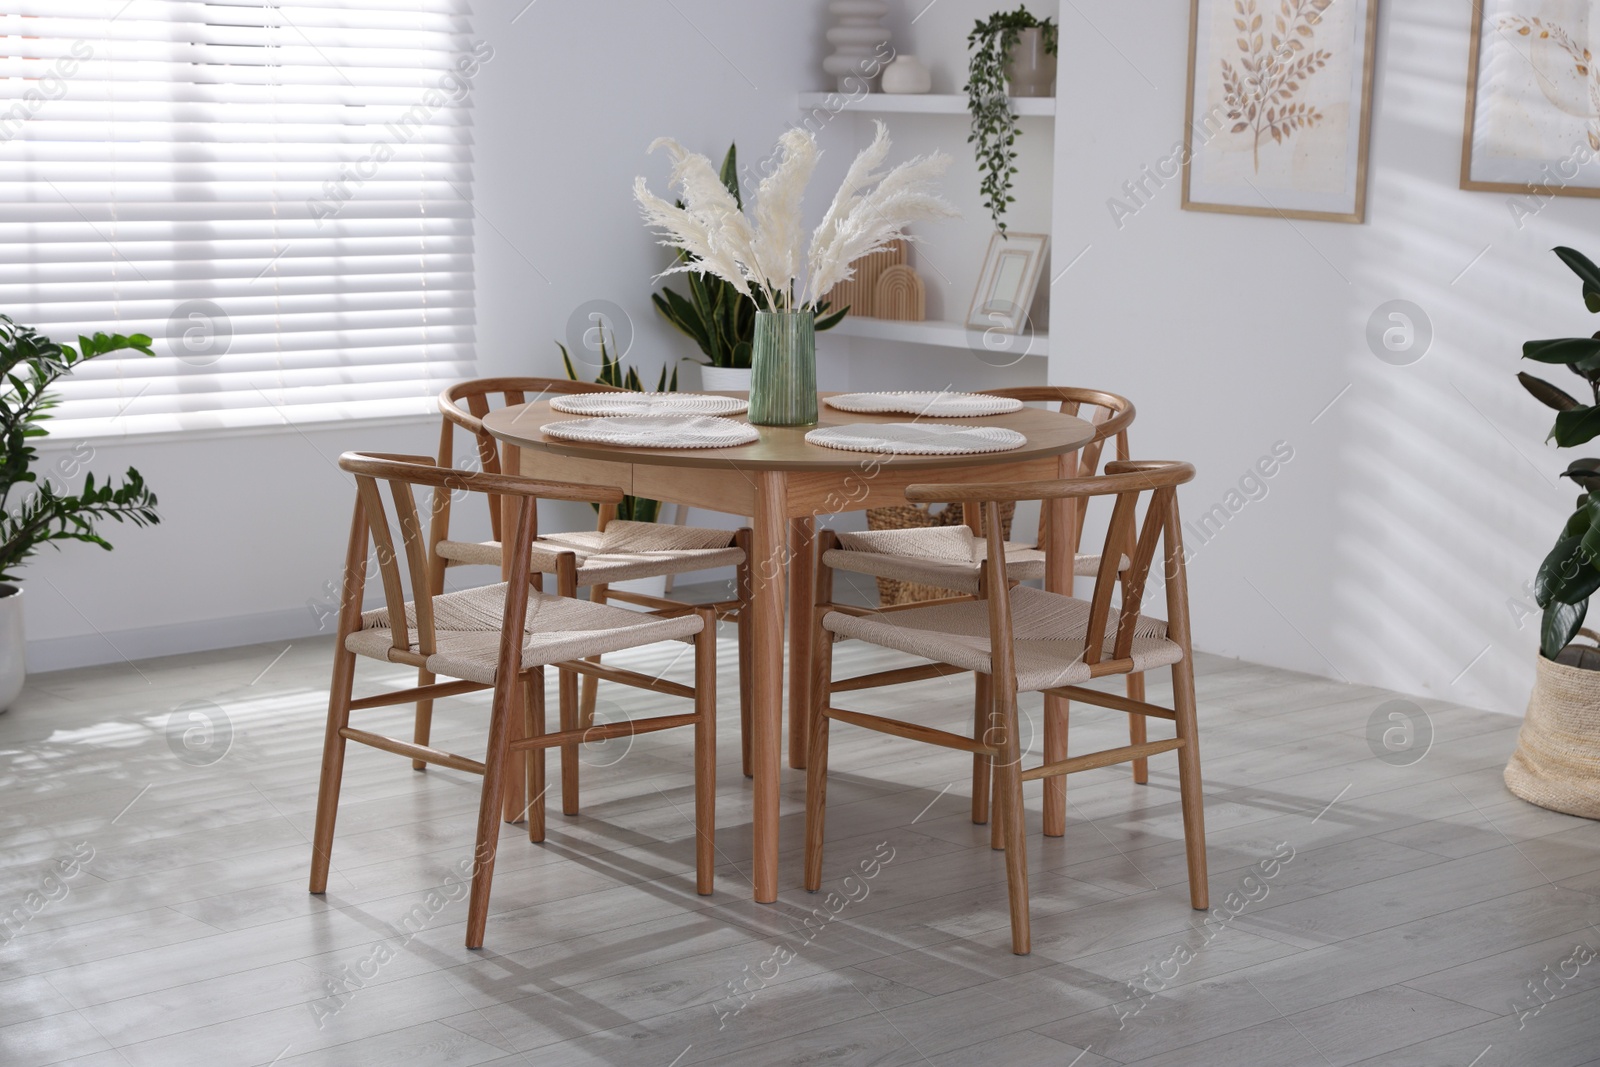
(1557, 761)
(919, 517)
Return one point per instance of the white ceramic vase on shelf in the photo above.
(907, 74)
(725, 379)
(858, 41)
(13, 646)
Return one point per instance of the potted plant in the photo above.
(765, 256)
(1015, 48)
(29, 364)
(1557, 761)
(716, 316)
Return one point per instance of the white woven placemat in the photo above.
(940, 405)
(647, 404)
(654, 431)
(916, 439)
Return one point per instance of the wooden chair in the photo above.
(614, 551)
(951, 558)
(1028, 640)
(495, 637)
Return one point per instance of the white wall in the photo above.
(255, 524)
(1390, 550)
(1393, 548)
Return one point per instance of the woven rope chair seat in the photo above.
(623, 550)
(1050, 631)
(467, 631)
(947, 557)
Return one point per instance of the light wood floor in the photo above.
(1419, 904)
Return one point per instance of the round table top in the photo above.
(784, 448)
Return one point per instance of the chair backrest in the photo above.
(1108, 413)
(1127, 482)
(405, 568)
(464, 404)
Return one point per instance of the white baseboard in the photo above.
(91, 650)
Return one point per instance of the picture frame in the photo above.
(1296, 146)
(1008, 282)
(1532, 123)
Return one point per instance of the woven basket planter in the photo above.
(1557, 761)
(919, 517)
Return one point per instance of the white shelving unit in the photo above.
(920, 103)
(1002, 348)
(990, 345)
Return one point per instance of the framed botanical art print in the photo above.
(1533, 99)
(1279, 107)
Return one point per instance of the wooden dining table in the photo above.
(785, 485)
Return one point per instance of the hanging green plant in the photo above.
(994, 125)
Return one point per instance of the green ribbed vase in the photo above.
(783, 369)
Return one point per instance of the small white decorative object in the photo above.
(647, 404)
(916, 439)
(941, 405)
(654, 431)
(858, 41)
(907, 74)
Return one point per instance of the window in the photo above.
(278, 193)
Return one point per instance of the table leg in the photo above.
(802, 603)
(1059, 563)
(767, 550)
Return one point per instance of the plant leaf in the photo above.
(1572, 350)
(1576, 426)
(1560, 626)
(1585, 269)
(1549, 395)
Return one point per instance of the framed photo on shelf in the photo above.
(1279, 107)
(1008, 281)
(1533, 100)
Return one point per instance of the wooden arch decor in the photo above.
(900, 295)
(859, 291)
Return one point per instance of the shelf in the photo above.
(917, 103)
(990, 346)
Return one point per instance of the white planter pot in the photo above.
(13, 664)
(725, 379)
(1030, 70)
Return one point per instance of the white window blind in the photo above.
(278, 193)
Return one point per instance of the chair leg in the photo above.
(344, 669)
(1189, 787)
(533, 726)
(567, 710)
(817, 754)
(513, 794)
(423, 728)
(589, 685)
(981, 763)
(705, 753)
(494, 780)
(1055, 749)
(1008, 770)
(1136, 732)
(745, 629)
(567, 693)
